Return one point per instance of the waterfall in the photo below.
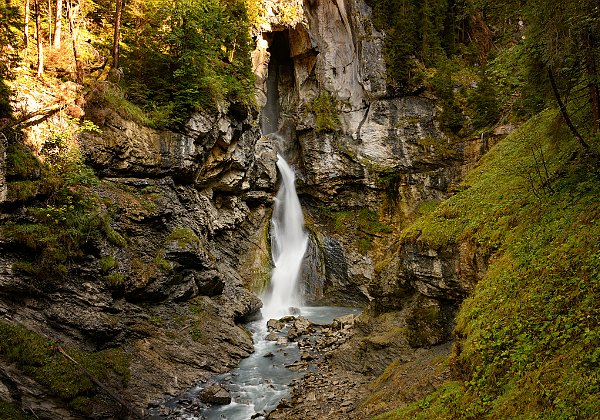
(288, 245)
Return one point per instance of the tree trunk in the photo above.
(565, 114)
(26, 26)
(38, 35)
(592, 74)
(49, 22)
(58, 24)
(73, 29)
(117, 34)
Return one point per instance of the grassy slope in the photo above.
(529, 337)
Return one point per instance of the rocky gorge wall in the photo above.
(192, 212)
(367, 158)
(164, 289)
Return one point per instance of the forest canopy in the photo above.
(168, 57)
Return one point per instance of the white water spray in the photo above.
(288, 245)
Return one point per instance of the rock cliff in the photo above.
(367, 158)
(187, 217)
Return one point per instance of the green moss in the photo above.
(21, 163)
(527, 336)
(115, 279)
(108, 263)
(184, 237)
(22, 190)
(12, 412)
(114, 237)
(440, 148)
(36, 356)
(196, 334)
(162, 264)
(363, 224)
(324, 106)
(427, 206)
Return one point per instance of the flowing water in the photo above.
(288, 245)
(261, 380)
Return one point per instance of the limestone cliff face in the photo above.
(356, 145)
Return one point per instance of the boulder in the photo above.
(215, 394)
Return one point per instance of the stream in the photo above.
(260, 381)
(263, 379)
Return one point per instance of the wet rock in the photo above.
(302, 325)
(272, 336)
(343, 322)
(274, 324)
(293, 334)
(215, 394)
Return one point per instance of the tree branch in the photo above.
(565, 114)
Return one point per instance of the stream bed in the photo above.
(261, 380)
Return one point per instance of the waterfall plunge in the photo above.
(288, 245)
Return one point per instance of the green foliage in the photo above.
(67, 217)
(484, 103)
(326, 113)
(161, 263)
(563, 39)
(112, 96)
(391, 181)
(11, 19)
(38, 357)
(108, 263)
(184, 56)
(5, 106)
(451, 118)
(526, 336)
(439, 147)
(417, 34)
(196, 334)
(363, 225)
(21, 163)
(115, 278)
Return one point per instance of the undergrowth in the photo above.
(527, 338)
(364, 225)
(64, 216)
(39, 357)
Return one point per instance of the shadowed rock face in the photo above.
(187, 206)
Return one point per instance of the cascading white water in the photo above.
(288, 245)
